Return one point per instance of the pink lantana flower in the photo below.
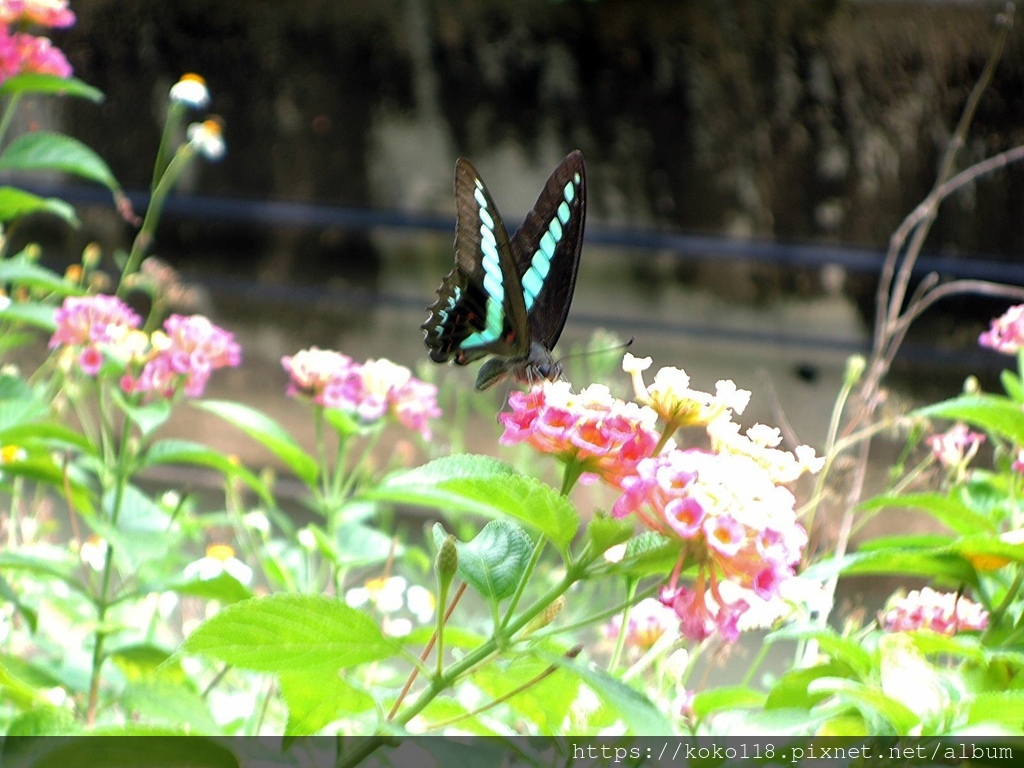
(1006, 334)
(370, 391)
(946, 613)
(600, 434)
(731, 520)
(955, 447)
(187, 351)
(95, 326)
(45, 13)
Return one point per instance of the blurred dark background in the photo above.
(779, 144)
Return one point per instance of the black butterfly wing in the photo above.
(479, 309)
(547, 249)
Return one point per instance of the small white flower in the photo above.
(421, 603)
(386, 595)
(94, 553)
(208, 138)
(191, 90)
(307, 539)
(257, 521)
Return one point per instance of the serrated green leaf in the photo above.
(951, 512)
(32, 82)
(50, 151)
(993, 413)
(456, 467)
(605, 532)
(315, 700)
(648, 554)
(291, 633)
(495, 560)
(43, 721)
(267, 432)
(15, 203)
(500, 494)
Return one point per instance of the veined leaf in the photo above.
(951, 512)
(495, 560)
(291, 633)
(49, 151)
(992, 413)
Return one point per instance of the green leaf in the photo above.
(42, 469)
(15, 203)
(605, 532)
(49, 151)
(196, 454)
(1005, 708)
(727, 697)
(460, 466)
(43, 721)
(641, 716)
(344, 424)
(267, 432)
(355, 545)
(495, 560)
(141, 532)
(17, 413)
(993, 413)
(58, 86)
(849, 652)
(291, 633)
(499, 494)
(29, 313)
(53, 436)
(791, 690)
(23, 271)
(1012, 385)
(648, 554)
(951, 512)
(162, 702)
(223, 587)
(930, 564)
(870, 702)
(315, 700)
(148, 417)
(546, 702)
(159, 750)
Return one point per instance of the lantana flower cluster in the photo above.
(103, 329)
(727, 506)
(945, 613)
(370, 391)
(1006, 334)
(21, 52)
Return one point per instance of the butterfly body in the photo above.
(508, 297)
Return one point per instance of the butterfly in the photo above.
(509, 297)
